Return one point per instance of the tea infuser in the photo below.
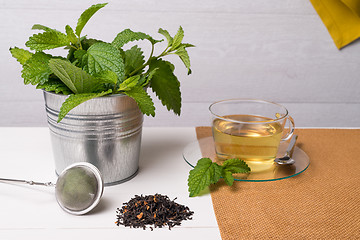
(78, 188)
(287, 158)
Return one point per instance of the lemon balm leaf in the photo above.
(86, 15)
(54, 85)
(177, 39)
(165, 84)
(21, 55)
(42, 27)
(127, 36)
(184, 56)
(167, 35)
(76, 99)
(147, 78)
(187, 45)
(129, 83)
(228, 178)
(75, 78)
(142, 99)
(36, 69)
(71, 35)
(106, 76)
(103, 56)
(47, 40)
(134, 59)
(235, 165)
(205, 173)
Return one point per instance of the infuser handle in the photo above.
(47, 184)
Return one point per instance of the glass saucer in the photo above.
(192, 153)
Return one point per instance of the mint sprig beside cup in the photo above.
(207, 172)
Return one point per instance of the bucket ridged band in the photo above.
(104, 131)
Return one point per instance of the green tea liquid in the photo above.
(255, 143)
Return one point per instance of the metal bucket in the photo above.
(104, 131)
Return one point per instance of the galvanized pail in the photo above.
(104, 131)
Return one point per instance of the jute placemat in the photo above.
(321, 203)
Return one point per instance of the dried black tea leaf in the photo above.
(155, 210)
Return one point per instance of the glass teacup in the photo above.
(250, 130)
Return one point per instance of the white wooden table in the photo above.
(32, 211)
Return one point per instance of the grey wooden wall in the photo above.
(277, 50)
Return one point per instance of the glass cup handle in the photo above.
(291, 128)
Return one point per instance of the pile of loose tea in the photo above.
(157, 210)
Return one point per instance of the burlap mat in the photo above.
(321, 203)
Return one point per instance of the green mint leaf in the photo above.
(42, 27)
(76, 99)
(85, 43)
(205, 173)
(47, 40)
(186, 45)
(133, 59)
(166, 34)
(86, 15)
(70, 55)
(103, 56)
(142, 99)
(54, 85)
(151, 74)
(228, 177)
(166, 85)
(36, 69)
(71, 35)
(107, 76)
(79, 54)
(20, 54)
(144, 81)
(129, 36)
(88, 42)
(73, 77)
(184, 56)
(236, 166)
(177, 39)
(129, 83)
(76, 56)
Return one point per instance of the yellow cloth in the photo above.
(341, 18)
(354, 5)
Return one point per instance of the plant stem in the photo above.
(80, 46)
(165, 52)
(73, 47)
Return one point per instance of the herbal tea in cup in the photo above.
(250, 130)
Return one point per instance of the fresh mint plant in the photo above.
(207, 172)
(94, 68)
